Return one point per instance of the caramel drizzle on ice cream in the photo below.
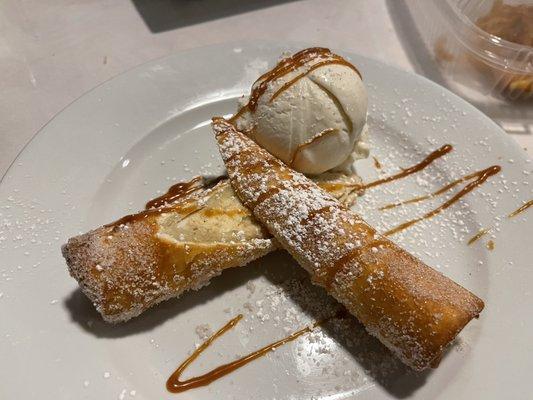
(337, 60)
(288, 65)
(302, 146)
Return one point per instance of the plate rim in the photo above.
(469, 107)
(242, 43)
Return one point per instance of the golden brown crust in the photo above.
(414, 310)
(128, 267)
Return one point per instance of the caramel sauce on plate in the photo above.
(481, 177)
(475, 179)
(521, 209)
(411, 170)
(176, 385)
(442, 190)
(483, 231)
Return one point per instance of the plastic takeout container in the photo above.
(494, 74)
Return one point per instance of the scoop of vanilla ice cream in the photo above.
(316, 123)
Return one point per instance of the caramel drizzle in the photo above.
(483, 231)
(520, 209)
(174, 193)
(263, 196)
(161, 204)
(302, 146)
(243, 154)
(167, 202)
(328, 277)
(314, 213)
(442, 190)
(335, 60)
(481, 177)
(409, 171)
(229, 212)
(238, 114)
(377, 164)
(287, 66)
(176, 385)
(127, 219)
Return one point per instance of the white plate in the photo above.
(115, 147)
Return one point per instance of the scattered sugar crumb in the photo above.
(204, 331)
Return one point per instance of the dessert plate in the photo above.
(132, 137)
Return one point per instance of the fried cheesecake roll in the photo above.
(412, 309)
(179, 243)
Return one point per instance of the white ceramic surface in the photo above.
(120, 144)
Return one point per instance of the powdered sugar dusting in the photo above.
(125, 269)
(344, 254)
